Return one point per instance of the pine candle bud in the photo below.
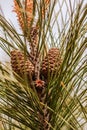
(27, 10)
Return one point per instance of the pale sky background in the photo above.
(7, 7)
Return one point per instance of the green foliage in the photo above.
(66, 93)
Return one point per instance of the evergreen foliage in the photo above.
(31, 99)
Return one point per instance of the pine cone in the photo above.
(33, 42)
(51, 63)
(20, 65)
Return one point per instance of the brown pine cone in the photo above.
(51, 63)
(20, 65)
(33, 42)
